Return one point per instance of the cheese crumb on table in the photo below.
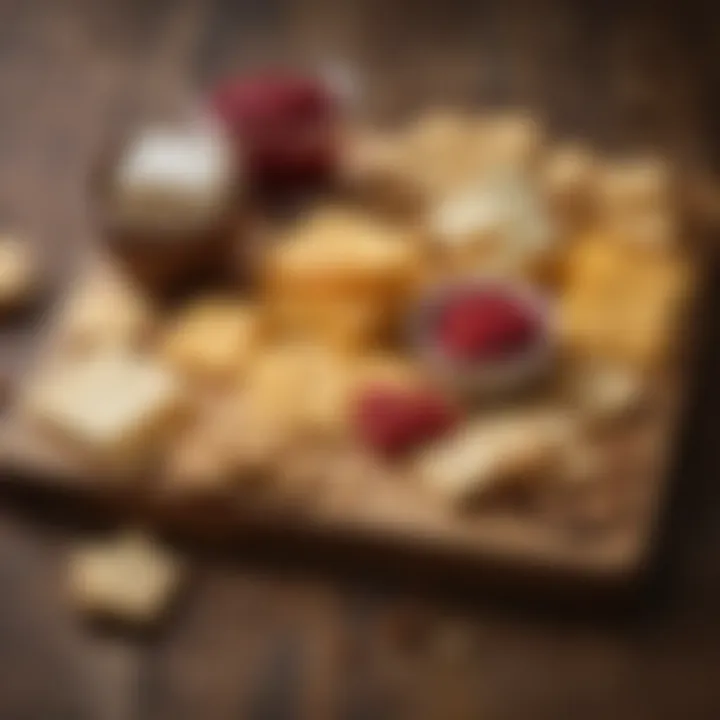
(18, 272)
(127, 578)
(115, 407)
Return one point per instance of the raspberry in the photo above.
(486, 326)
(393, 421)
(283, 126)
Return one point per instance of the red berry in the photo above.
(486, 326)
(393, 420)
(284, 126)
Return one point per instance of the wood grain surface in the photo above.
(259, 641)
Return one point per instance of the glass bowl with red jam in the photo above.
(485, 336)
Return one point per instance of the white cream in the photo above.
(174, 180)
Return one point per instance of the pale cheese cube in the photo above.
(173, 179)
(491, 455)
(214, 338)
(115, 407)
(128, 578)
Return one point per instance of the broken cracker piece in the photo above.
(128, 578)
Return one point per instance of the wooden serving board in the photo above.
(364, 507)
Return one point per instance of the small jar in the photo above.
(169, 205)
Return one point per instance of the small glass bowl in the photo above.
(484, 377)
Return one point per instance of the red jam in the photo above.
(283, 126)
(393, 421)
(487, 325)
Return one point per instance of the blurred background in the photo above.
(259, 639)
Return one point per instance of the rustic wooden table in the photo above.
(250, 641)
